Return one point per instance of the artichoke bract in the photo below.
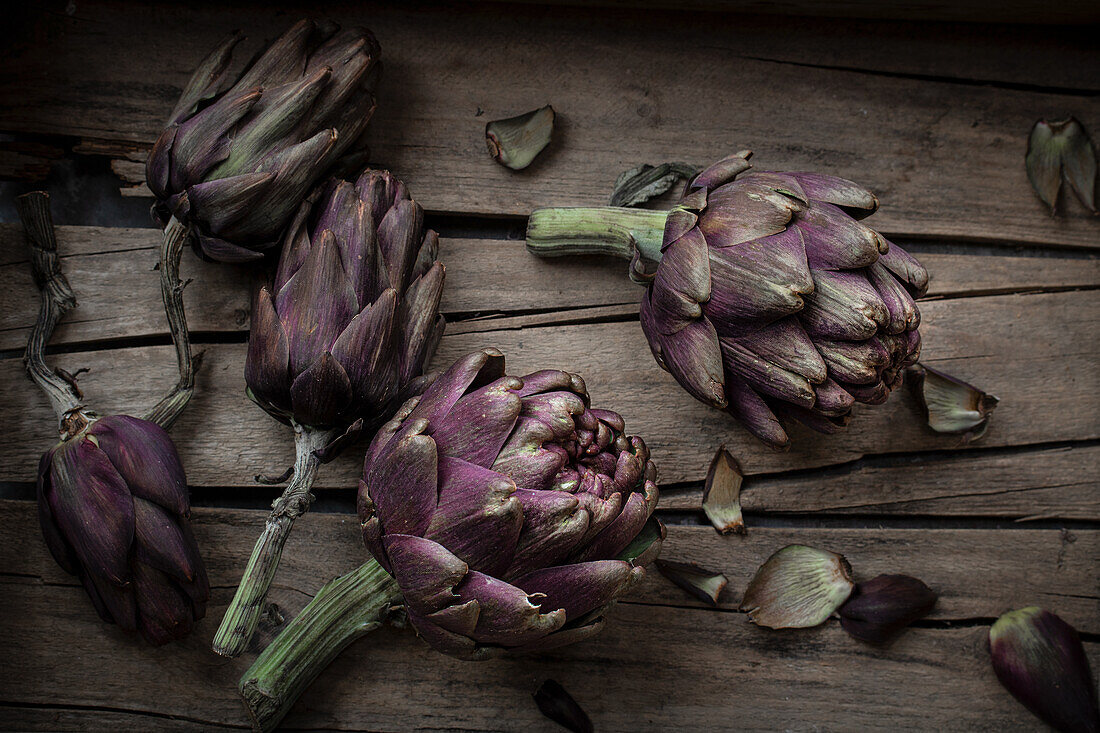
(770, 300)
(355, 311)
(113, 505)
(240, 152)
(501, 506)
(340, 344)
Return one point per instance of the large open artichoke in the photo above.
(770, 298)
(502, 506)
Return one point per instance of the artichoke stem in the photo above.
(57, 298)
(239, 623)
(606, 230)
(171, 292)
(347, 608)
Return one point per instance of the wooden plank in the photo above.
(656, 665)
(974, 11)
(1036, 351)
(1052, 483)
(119, 293)
(944, 158)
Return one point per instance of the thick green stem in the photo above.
(239, 623)
(171, 293)
(347, 608)
(607, 230)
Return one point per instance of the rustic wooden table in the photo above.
(932, 117)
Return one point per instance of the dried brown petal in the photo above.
(516, 141)
(706, 585)
(952, 405)
(722, 493)
(798, 587)
(558, 705)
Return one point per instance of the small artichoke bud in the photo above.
(113, 505)
(952, 405)
(1039, 658)
(880, 608)
(798, 587)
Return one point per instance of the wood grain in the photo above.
(1036, 351)
(944, 158)
(1050, 483)
(118, 291)
(387, 681)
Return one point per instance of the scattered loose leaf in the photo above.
(1057, 150)
(1039, 658)
(722, 493)
(880, 608)
(706, 585)
(798, 587)
(638, 185)
(952, 405)
(558, 705)
(516, 141)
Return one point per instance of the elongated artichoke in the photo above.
(353, 320)
(234, 163)
(770, 298)
(355, 312)
(113, 504)
(502, 507)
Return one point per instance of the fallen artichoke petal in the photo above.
(952, 405)
(638, 185)
(722, 493)
(558, 705)
(880, 608)
(516, 141)
(1057, 150)
(798, 587)
(706, 585)
(1039, 658)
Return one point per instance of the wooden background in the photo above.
(931, 116)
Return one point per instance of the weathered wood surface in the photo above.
(1044, 483)
(946, 159)
(111, 270)
(686, 667)
(1036, 351)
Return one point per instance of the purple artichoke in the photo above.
(770, 300)
(355, 315)
(509, 512)
(113, 504)
(235, 162)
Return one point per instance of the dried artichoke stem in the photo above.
(345, 609)
(239, 623)
(168, 409)
(57, 298)
(603, 230)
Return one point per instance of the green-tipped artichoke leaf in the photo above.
(798, 587)
(645, 182)
(1057, 150)
(706, 585)
(1039, 658)
(722, 493)
(952, 405)
(516, 141)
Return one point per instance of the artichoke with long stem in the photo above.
(337, 345)
(112, 496)
(505, 514)
(240, 153)
(770, 298)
